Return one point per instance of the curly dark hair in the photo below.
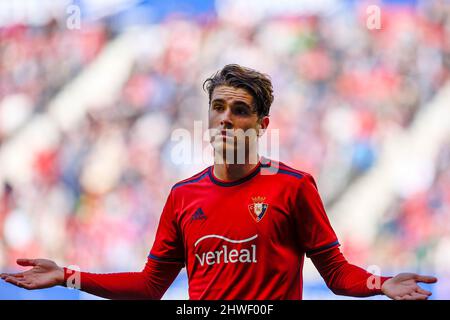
(255, 83)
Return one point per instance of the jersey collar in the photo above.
(262, 162)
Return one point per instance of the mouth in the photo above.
(224, 136)
(226, 133)
(227, 136)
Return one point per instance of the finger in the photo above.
(14, 281)
(4, 275)
(20, 283)
(426, 279)
(18, 274)
(418, 296)
(404, 297)
(26, 262)
(13, 276)
(422, 291)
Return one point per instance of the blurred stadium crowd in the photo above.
(340, 90)
(36, 62)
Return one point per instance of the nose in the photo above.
(226, 121)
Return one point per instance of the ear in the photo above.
(264, 123)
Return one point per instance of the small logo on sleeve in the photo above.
(198, 215)
(258, 208)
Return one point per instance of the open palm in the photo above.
(44, 274)
(404, 287)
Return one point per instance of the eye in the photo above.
(217, 107)
(242, 110)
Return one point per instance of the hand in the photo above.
(404, 287)
(44, 274)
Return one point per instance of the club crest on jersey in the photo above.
(258, 208)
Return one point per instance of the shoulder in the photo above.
(272, 167)
(196, 178)
(292, 179)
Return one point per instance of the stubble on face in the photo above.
(233, 123)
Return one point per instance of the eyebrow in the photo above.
(237, 102)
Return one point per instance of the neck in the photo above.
(232, 172)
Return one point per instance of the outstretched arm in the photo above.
(347, 279)
(151, 283)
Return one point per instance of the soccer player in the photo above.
(241, 228)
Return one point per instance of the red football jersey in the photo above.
(244, 239)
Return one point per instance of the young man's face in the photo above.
(232, 109)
